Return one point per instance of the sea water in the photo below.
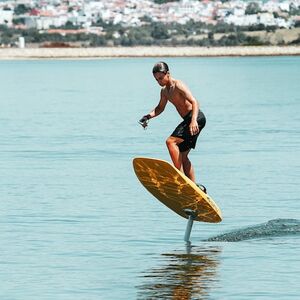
(77, 224)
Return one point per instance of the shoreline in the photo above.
(151, 51)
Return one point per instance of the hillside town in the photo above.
(85, 14)
(90, 23)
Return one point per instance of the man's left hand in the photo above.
(194, 128)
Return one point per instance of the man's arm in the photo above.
(156, 111)
(160, 107)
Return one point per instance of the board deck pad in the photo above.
(175, 190)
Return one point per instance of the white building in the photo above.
(285, 6)
(280, 22)
(267, 19)
(270, 6)
(246, 20)
(6, 17)
(118, 18)
(47, 22)
(238, 11)
(21, 43)
(44, 23)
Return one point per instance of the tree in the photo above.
(97, 40)
(210, 36)
(164, 1)
(70, 25)
(294, 10)
(19, 21)
(21, 9)
(160, 32)
(230, 40)
(252, 8)
(146, 19)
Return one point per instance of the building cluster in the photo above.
(46, 14)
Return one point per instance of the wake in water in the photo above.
(273, 228)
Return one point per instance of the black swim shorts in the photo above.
(183, 131)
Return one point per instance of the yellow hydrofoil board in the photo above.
(175, 190)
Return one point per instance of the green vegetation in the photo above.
(21, 9)
(252, 8)
(152, 33)
(164, 1)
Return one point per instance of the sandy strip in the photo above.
(112, 52)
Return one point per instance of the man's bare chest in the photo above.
(173, 95)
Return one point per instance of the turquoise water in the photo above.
(76, 223)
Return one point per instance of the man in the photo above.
(185, 135)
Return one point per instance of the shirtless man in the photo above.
(185, 135)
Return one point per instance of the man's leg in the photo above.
(187, 166)
(172, 144)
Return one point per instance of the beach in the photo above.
(114, 52)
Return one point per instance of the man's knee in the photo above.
(171, 142)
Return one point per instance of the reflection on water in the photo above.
(183, 275)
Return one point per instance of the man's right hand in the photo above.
(144, 121)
